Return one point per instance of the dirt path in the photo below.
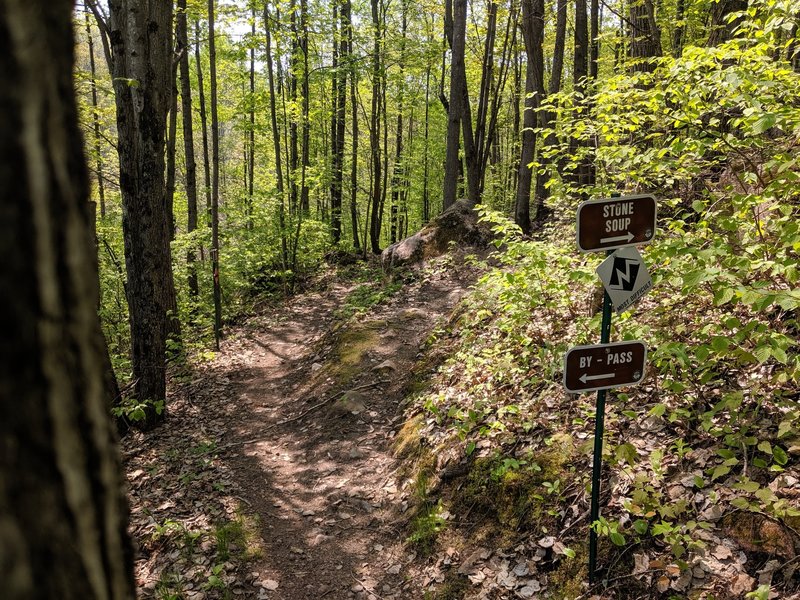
(294, 422)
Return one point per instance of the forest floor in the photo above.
(276, 474)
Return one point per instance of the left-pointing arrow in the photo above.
(584, 378)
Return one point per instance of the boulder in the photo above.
(458, 224)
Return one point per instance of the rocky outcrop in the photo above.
(458, 224)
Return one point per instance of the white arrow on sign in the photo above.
(584, 378)
(620, 238)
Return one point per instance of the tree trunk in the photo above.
(172, 134)
(141, 124)
(182, 34)
(64, 514)
(201, 95)
(374, 133)
(456, 103)
(645, 40)
(276, 139)
(339, 89)
(353, 72)
(548, 116)
(251, 131)
(96, 122)
(397, 174)
(677, 34)
(533, 34)
(722, 28)
(212, 59)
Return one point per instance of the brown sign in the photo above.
(604, 366)
(616, 222)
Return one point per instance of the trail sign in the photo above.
(616, 222)
(625, 277)
(604, 366)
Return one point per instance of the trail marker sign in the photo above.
(604, 366)
(625, 277)
(616, 222)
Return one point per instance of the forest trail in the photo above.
(293, 423)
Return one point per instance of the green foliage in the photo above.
(134, 411)
(713, 133)
(366, 296)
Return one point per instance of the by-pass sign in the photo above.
(604, 366)
(616, 222)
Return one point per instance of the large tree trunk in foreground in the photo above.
(141, 46)
(63, 516)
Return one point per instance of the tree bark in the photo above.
(533, 34)
(347, 10)
(201, 97)
(456, 112)
(96, 122)
(251, 130)
(339, 97)
(276, 139)
(63, 514)
(397, 173)
(141, 70)
(374, 133)
(182, 34)
(212, 59)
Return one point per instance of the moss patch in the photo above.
(518, 494)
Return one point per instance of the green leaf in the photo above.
(780, 355)
(780, 456)
(720, 471)
(765, 122)
(748, 486)
(762, 353)
(568, 552)
(658, 410)
(720, 344)
(617, 538)
(765, 495)
(640, 526)
(765, 447)
(784, 428)
(627, 453)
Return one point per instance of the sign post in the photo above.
(613, 225)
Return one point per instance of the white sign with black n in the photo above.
(625, 277)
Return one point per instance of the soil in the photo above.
(288, 433)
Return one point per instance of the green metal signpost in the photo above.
(607, 225)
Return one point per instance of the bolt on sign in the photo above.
(604, 366)
(616, 222)
(625, 277)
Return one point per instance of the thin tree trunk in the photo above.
(594, 42)
(456, 103)
(251, 138)
(293, 135)
(305, 161)
(374, 134)
(678, 32)
(212, 58)
(96, 122)
(276, 139)
(172, 134)
(426, 208)
(338, 93)
(203, 119)
(347, 10)
(182, 34)
(397, 174)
